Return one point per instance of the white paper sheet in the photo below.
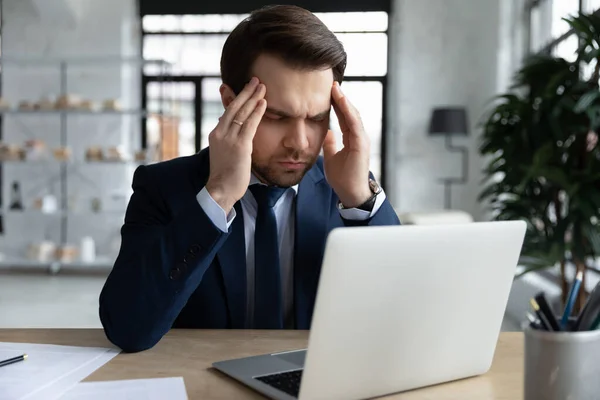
(137, 389)
(49, 370)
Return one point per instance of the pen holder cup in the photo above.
(562, 365)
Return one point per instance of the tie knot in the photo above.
(266, 195)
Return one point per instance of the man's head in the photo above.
(297, 58)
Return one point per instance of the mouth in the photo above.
(292, 165)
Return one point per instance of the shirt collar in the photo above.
(254, 180)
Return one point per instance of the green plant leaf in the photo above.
(586, 101)
(558, 176)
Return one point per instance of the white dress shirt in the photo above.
(284, 214)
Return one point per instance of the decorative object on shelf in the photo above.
(49, 204)
(94, 154)
(66, 253)
(16, 202)
(11, 152)
(62, 154)
(68, 102)
(88, 249)
(112, 105)
(44, 251)
(140, 155)
(96, 205)
(4, 104)
(45, 104)
(88, 105)
(35, 150)
(115, 154)
(449, 122)
(26, 106)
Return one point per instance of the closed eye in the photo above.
(274, 117)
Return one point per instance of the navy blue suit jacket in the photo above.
(175, 269)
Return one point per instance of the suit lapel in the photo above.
(232, 259)
(312, 217)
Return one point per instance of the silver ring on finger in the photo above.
(240, 123)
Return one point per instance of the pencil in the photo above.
(571, 299)
(547, 311)
(13, 360)
(543, 320)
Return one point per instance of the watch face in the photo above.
(375, 188)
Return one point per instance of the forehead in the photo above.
(298, 92)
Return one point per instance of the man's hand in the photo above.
(347, 171)
(230, 146)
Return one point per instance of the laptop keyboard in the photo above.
(288, 382)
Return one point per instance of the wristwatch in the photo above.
(370, 203)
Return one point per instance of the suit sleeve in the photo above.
(162, 260)
(385, 215)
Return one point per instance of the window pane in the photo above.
(562, 9)
(591, 5)
(161, 23)
(212, 108)
(152, 23)
(211, 23)
(367, 97)
(189, 54)
(355, 21)
(172, 135)
(171, 90)
(567, 49)
(367, 53)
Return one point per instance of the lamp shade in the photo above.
(449, 121)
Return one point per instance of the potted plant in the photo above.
(543, 157)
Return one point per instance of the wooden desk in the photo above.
(190, 354)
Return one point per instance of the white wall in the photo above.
(442, 53)
(105, 30)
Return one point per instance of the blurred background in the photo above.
(91, 89)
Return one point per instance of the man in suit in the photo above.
(234, 236)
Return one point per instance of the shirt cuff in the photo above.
(356, 214)
(214, 211)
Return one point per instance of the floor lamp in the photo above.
(451, 122)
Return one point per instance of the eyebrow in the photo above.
(286, 115)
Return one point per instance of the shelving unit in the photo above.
(76, 164)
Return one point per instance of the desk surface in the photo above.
(190, 354)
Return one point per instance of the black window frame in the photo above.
(383, 79)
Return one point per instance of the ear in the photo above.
(227, 95)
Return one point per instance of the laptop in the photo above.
(397, 308)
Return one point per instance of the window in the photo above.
(193, 45)
(563, 9)
(590, 6)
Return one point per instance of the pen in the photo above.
(571, 300)
(595, 324)
(13, 360)
(533, 321)
(545, 308)
(590, 311)
(543, 321)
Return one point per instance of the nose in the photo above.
(296, 137)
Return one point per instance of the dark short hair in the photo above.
(292, 33)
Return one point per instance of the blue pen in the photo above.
(571, 299)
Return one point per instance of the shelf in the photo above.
(73, 162)
(74, 112)
(91, 60)
(15, 262)
(26, 213)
